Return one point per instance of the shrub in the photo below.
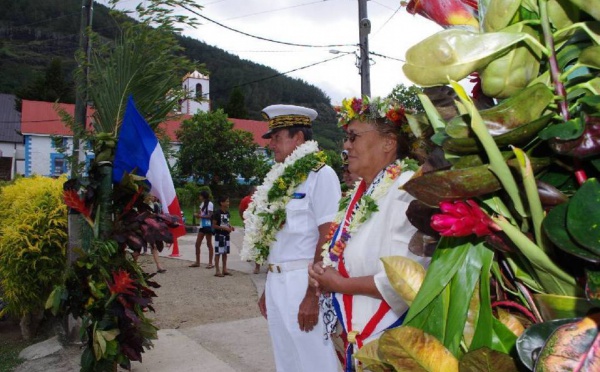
(33, 241)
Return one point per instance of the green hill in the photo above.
(34, 32)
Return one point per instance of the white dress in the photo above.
(386, 233)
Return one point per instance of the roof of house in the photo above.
(41, 118)
(10, 120)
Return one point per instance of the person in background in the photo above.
(205, 229)
(365, 302)
(244, 203)
(348, 177)
(301, 189)
(155, 205)
(222, 227)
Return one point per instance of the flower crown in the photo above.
(370, 109)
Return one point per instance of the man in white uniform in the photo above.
(289, 304)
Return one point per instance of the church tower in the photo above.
(197, 87)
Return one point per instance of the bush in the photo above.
(33, 242)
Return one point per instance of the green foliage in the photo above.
(236, 107)
(408, 97)
(33, 43)
(33, 241)
(51, 87)
(211, 150)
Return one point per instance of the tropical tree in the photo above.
(212, 151)
(408, 96)
(236, 107)
(510, 203)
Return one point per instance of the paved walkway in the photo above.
(237, 346)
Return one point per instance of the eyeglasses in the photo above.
(351, 136)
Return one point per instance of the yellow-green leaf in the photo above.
(368, 356)
(405, 275)
(411, 349)
(454, 54)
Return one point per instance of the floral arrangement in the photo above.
(104, 287)
(266, 215)
(512, 203)
(369, 109)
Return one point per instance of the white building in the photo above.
(198, 98)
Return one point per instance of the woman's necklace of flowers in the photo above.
(266, 215)
(339, 235)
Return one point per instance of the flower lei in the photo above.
(365, 207)
(266, 215)
(369, 109)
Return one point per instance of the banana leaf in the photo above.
(454, 54)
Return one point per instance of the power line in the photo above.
(47, 20)
(263, 38)
(277, 75)
(389, 19)
(275, 10)
(381, 55)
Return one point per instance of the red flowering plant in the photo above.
(513, 281)
(104, 287)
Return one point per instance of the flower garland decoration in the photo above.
(365, 208)
(266, 215)
(369, 109)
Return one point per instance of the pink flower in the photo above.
(462, 218)
(446, 13)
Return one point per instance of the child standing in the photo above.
(206, 211)
(222, 228)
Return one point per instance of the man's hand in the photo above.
(308, 312)
(262, 306)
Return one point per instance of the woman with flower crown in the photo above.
(371, 224)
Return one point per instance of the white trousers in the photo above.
(295, 350)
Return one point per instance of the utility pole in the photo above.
(75, 222)
(364, 29)
(81, 85)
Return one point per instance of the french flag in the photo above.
(138, 150)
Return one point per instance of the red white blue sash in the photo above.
(343, 303)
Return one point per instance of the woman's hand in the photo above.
(324, 279)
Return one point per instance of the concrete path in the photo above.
(236, 346)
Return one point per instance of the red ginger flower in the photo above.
(446, 13)
(123, 284)
(462, 218)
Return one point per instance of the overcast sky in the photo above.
(321, 22)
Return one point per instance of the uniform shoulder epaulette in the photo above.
(318, 167)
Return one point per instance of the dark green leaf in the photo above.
(534, 338)
(447, 259)
(565, 131)
(462, 286)
(487, 360)
(583, 216)
(555, 227)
